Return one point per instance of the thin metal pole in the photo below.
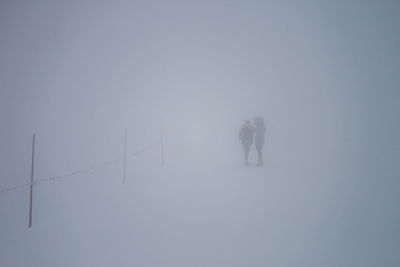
(162, 143)
(33, 161)
(124, 175)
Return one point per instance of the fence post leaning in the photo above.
(124, 171)
(31, 191)
(162, 143)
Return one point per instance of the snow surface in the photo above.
(197, 214)
(323, 74)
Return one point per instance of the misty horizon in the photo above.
(182, 77)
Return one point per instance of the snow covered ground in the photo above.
(323, 74)
(201, 214)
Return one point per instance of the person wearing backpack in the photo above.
(246, 136)
(259, 138)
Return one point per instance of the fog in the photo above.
(324, 75)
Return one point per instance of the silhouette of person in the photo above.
(259, 138)
(246, 136)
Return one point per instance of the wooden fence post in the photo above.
(124, 172)
(30, 197)
(162, 143)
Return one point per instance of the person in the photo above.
(259, 138)
(246, 136)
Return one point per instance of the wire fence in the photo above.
(82, 171)
(13, 188)
(33, 182)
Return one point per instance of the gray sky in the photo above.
(323, 74)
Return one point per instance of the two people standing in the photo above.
(248, 133)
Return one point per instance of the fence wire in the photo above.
(85, 171)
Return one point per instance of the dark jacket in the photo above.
(246, 134)
(260, 131)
